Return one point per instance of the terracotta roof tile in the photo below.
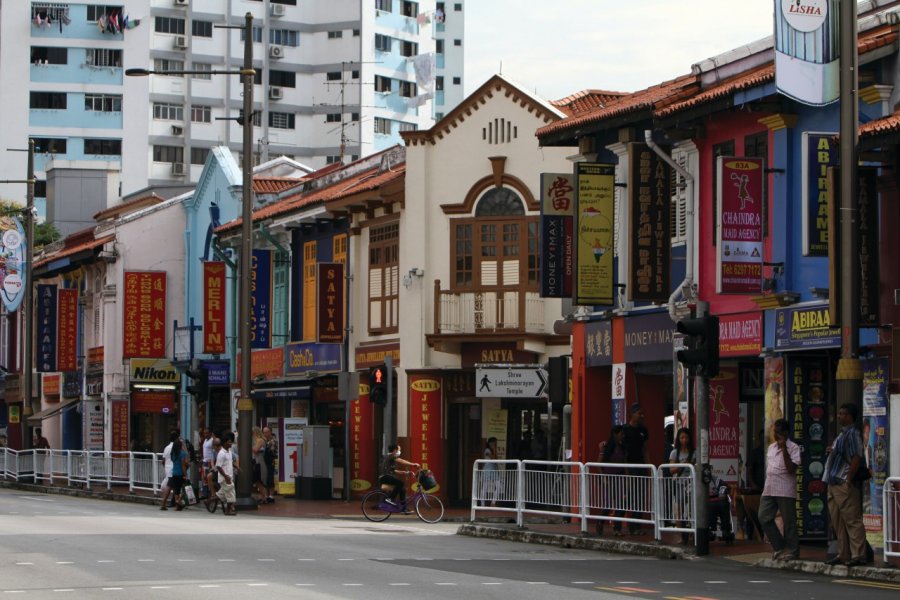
(75, 249)
(585, 100)
(363, 181)
(882, 126)
(642, 100)
(274, 185)
(124, 208)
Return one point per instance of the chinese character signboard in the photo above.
(214, 307)
(739, 231)
(820, 151)
(12, 261)
(594, 225)
(598, 343)
(557, 245)
(261, 301)
(650, 245)
(67, 327)
(330, 284)
(46, 328)
(144, 315)
(618, 394)
(119, 419)
(425, 424)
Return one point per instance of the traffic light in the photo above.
(378, 385)
(702, 353)
(200, 376)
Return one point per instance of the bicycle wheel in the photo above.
(429, 508)
(371, 506)
(212, 503)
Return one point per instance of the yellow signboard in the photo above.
(594, 226)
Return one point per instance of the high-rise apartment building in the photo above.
(335, 80)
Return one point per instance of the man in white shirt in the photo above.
(780, 493)
(167, 465)
(226, 465)
(209, 458)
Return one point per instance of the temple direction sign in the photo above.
(510, 382)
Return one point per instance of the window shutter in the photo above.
(489, 272)
(376, 292)
(511, 272)
(679, 197)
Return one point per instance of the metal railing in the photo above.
(891, 517)
(661, 497)
(137, 470)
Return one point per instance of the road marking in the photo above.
(715, 581)
(111, 589)
(345, 559)
(759, 581)
(21, 564)
(536, 582)
(306, 559)
(226, 560)
(304, 584)
(352, 584)
(146, 560)
(443, 583)
(627, 582)
(13, 591)
(64, 590)
(460, 559)
(64, 562)
(106, 561)
(187, 560)
(160, 587)
(399, 584)
(638, 590)
(801, 580)
(257, 584)
(614, 589)
(266, 559)
(209, 585)
(873, 584)
(583, 583)
(671, 582)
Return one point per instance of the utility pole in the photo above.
(849, 368)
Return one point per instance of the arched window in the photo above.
(499, 202)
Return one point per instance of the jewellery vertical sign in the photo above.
(650, 245)
(425, 426)
(363, 457)
(261, 282)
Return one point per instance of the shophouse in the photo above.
(757, 165)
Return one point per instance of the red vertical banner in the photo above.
(119, 419)
(67, 330)
(426, 423)
(214, 307)
(330, 305)
(724, 421)
(363, 457)
(144, 315)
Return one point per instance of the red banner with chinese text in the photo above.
(144, 314)
(119, 419)
(363, 456)
(425, 424)
(67, 330)
(214, 307)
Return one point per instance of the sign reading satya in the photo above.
(594, 225)
(557, 215)
(330, 283)
(650, 246)
(214, 307)
(739, 231)
(144, 315)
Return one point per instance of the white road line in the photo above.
(304, 584)
(13, 591)
(21, 564)
(500, 559)
(345, 559)
(582, 583)
(715, 581)
(266, 559)
(187, 560)
(209, 585)
(801, 580)
(106, 561)
(226, 560)
(759, 581)
(65, 590)
(399, 584)
(64, 562)
(160, 587)
(671, 582)
(444, 583)
(306, 559)
(111, 589)
(352, 584)
(491, 583)
(628, 582)
(460, 559)
(146, 560)
(257, 584)
(536, 582)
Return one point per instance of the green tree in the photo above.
(44, 233)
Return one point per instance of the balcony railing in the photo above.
(487, 311)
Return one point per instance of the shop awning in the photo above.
(53, 410)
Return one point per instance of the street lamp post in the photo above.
(27, 296)
(244, 480)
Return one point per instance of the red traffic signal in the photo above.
(378, 385)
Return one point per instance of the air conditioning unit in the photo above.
(181, 42)
(276, 51)
(177, 130)
(181, 2)
(275, 92)
(178, 169)
(277, 10)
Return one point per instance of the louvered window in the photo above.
(309, 291)
(679, 191)
(384, 278)
(495, 252)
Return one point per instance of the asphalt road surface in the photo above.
(58, 547)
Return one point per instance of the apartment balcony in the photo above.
(495, 315)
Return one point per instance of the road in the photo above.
(57, 547)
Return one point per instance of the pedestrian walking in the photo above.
(845, 458)
(780, 493)
(167, 467)
(226, 466)
(490, 482)
(180, 464)
(208, 457)
(259, 447)
(636, 438)
(613, 451)
(270, 456)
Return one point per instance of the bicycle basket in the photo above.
(427, 480)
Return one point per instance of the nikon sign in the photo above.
(150, 370)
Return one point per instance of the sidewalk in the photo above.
(502, 526)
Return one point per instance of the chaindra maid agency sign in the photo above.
(807, 50)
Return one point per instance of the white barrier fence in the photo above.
(137, 470)
(891, 520)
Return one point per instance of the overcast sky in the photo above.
(559, 47)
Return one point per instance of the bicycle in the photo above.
(429, 508)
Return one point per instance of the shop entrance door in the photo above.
(464, 448)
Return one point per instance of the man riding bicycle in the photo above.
(389, 473)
